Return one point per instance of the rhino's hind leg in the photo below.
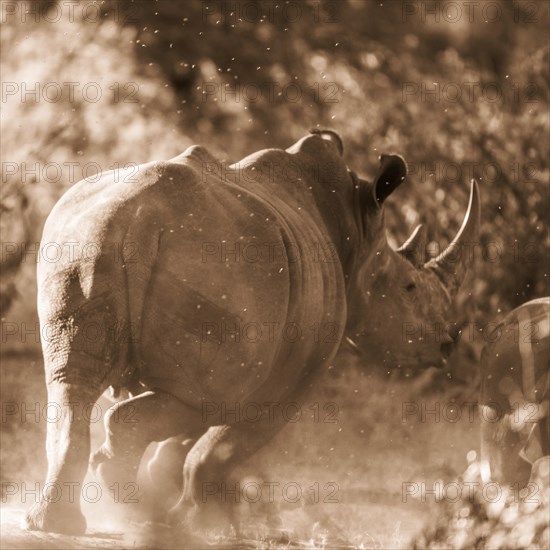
(165, 471)
(207, 471)
(68, 449)
(163, 483)
(133, 424)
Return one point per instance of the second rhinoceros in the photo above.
(515, 394)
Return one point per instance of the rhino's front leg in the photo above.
(133, 424)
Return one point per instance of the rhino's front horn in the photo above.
(413, 249)
(453, 263)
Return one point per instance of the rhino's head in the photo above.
(398, 304)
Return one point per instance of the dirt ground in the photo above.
(363, 460)
(14, 537)
(392, 528)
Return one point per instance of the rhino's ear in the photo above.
(392, 173)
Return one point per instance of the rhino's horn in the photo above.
(453, 263)
(414, 247)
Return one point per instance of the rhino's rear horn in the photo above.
(413, 249)
(453, 263)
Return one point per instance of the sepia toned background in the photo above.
(459, 89)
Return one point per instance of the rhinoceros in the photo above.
(223, 285)
(514, 402)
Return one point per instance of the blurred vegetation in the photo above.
(480, 519)
(357, 66)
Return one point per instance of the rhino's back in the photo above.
(198, 268)
(239, 306)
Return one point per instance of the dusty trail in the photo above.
(367, 454)
(392, 526)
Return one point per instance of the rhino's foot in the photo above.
(156, 503)
(207, 517)
(179, 514)
(56, 517)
